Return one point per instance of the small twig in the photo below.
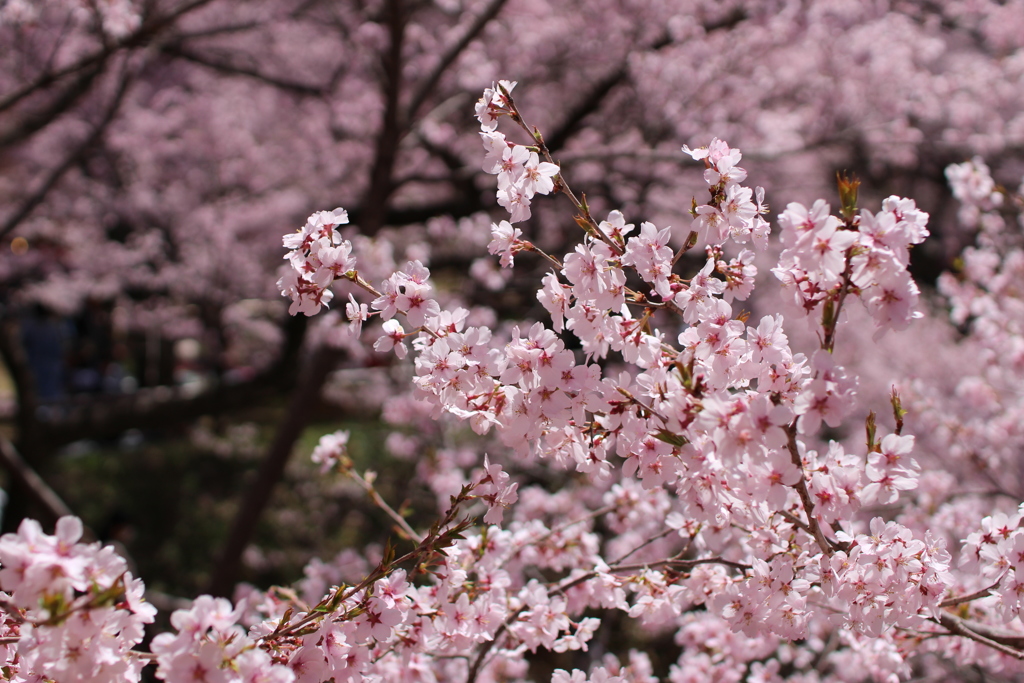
(805, 495)
(691, 242)
(485, 648)
(829, 341)
(643, 545)
(688, 564)
(383, 505)
(340, 594)
(580, 205)
(983, 593)
(181, 52)
(795, 521)
(355, 278)
(530, 246)
(957, 626)
(144, 35)
(633, 399)
(579, 520)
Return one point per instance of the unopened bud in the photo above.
(897, 410)
(869, 427)
(847, 194)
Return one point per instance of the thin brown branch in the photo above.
(805, 495)
(584, 219)
(795, 521)
(50, 77)
(1006, 643)
(983, 593)
(37, 120)
(829, 341)
(379, 501)
(683, 564)
(220, 30)
(485, 648)
(442, 533)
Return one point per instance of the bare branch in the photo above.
(805, 495)
(379, 501)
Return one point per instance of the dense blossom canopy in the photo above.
(715, 425)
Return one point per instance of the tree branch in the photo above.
(1006, 642)
(37, 120)
(55, 174)
(26, 477)
(181, 52)
(303, 399)
(592, 101)
(448, 58)
(805, 495)
(392, 128)
(983, 593)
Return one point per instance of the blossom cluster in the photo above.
(866, 255)
(972, 184)
(330, 449)
(693, 491)
(717, 424)
(76, 614)
(76, 609)
(734, 212)
(979, 417)
(210, 645)
(970, 417)
(887, 578)
(318, 256)
(997, 551)
(521, 173)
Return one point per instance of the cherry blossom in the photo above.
(649, 452)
